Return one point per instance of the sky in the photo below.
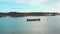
(29, 5)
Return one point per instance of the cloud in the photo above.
(53, 3)
(36, 1)
(31, 2)
(57, 4)
(26, 1)
(14, 1)
(43, 5)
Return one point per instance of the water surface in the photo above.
(20, 25)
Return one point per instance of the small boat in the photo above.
(33, 19)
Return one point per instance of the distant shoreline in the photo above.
(16, 14)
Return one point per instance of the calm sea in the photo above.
(20, 25)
